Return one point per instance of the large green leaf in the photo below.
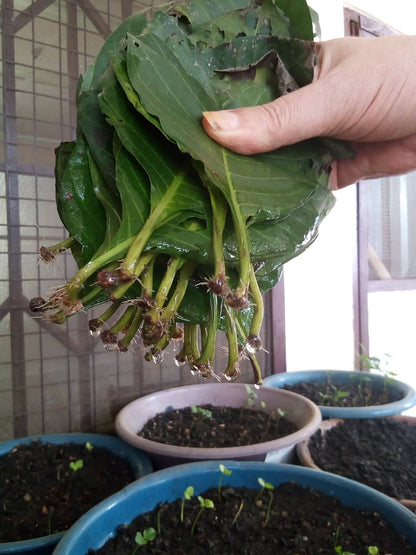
(299, 15)
(110, 203)
(78, 206)
(173, 179)
(263, 186)
(98, 134)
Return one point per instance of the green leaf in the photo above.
(173, 180)
(98, 134)
(79, 209)
(299, 16)
(110, 203)
(135, 24)
(265, 186)
(133, 186)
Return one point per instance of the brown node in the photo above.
(236, 300)
(37, 304)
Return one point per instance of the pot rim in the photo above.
(138, 461)
(305, 457)
(125, 431)
(116, 510)
(371, 411)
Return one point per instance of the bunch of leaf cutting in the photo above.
(179, 234)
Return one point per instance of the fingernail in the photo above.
(222, 121)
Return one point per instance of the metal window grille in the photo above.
(54, 378)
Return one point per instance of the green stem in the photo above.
(74, 285)
(208, 351)
(243, 243)
(190, 349)
(140, 267)
(179, 292)
(174, 264)
(258, 380)
(155, 220)
(124, 321)
(194, 342)
(47, 254)
(133, 329)
(95, 292)
(232, 371)
(258, 314)
(218, 283)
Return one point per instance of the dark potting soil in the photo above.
(41, 494)
(359, 394)
(212, 426)
(379, 452)
(290, 520)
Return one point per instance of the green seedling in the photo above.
(266, 485)
(340, 551)
(203, 504)
(143, 538)
(251, 399)
(338, 548)
(368, 362)
(76, 465)
(237, 514)
(58, 472)
(50, 512)
(224, 472)
(339, 394)
(206, 413)
(187, 495)
(276, 413)
(89, 446)
(251, 396)
(373, 550)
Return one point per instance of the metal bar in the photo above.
(392, 285)
(27, 15)
(278, 331)
(126, 9)
(95, 17)
(73, 57)
(17, 336)
(361, 335)
(84, 372)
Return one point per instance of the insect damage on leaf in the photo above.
(159, 214)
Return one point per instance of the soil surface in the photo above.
(290, 520)
(378, 452)
(41, 494)
(211, 426)
(360, 394)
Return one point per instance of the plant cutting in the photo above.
(379, 452)
(176, 434)
(48, 482)
(348, 393)
(157, 213)
(311, 512)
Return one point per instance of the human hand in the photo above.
(364, 91)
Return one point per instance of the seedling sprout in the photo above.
(187, 495)
(204, 504)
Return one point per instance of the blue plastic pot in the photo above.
(343, 378)
(100, 523)
(138, 461)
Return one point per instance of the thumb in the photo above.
(297, 116)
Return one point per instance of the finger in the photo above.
(294, 117)
(375, 160)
